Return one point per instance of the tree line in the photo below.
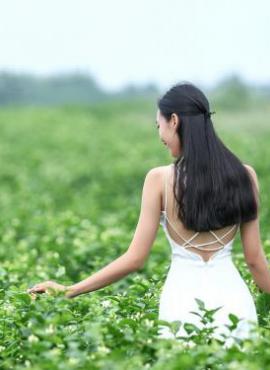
(81, 88)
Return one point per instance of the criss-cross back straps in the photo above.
(187, 242)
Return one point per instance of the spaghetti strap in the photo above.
(187, 243)
(165, 181)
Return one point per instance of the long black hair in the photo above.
(212, 187)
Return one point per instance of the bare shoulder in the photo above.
(157, 172)
(250, 231)
(249, 168)
(253, 174)
(155, 178)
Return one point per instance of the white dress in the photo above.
(217, 282)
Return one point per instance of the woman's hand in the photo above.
(46, 286)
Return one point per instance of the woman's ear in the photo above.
(175, 121)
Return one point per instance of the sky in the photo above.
(144, 41)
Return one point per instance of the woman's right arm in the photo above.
(136, 254)
(253, 249)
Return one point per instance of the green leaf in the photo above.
(200, 303)
(234, 319)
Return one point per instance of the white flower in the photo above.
(106, 303)
(149, 323)
(103, 349)
(33, 338)
(50, 329)
(56, 351)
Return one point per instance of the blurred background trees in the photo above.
(230, 93)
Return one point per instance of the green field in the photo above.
(70, 190)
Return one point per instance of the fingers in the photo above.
(36, 289)
(43, 287)
(40, 287)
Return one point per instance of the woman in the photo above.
(200, 200)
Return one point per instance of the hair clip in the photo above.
(208, 114)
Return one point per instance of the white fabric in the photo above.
(216, 282)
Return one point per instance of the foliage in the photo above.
(70, 181)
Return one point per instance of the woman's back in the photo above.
(205, 244)
(210, 276)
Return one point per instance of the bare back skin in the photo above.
(180, 234)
